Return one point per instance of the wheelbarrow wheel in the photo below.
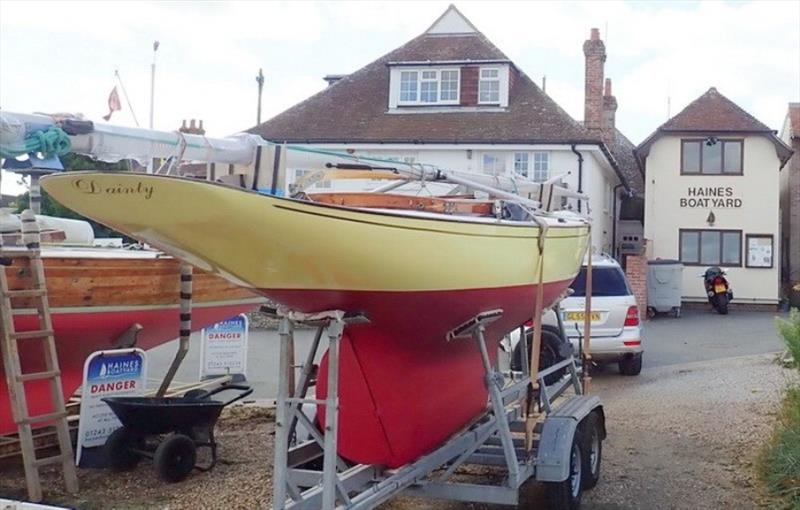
(119, 450)
(175, 458)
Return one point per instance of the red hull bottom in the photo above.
(403, 388)
(78, 334)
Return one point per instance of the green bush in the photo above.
(781, 460)
(790, 332)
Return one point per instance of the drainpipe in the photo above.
(614, 224)
(580, 173)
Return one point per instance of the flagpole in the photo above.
(152, 96)
(127, 99)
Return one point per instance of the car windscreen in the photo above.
(606, 281)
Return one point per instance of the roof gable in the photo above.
(452, 22)
(714, 112)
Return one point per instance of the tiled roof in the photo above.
(713, 112)
(355, 108)
(622, 150)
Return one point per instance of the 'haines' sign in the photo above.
(719, 197)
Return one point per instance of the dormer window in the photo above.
(429, 86)
(489, 86)
(425, 86)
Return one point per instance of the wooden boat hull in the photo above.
(95, 296)
(404, 389)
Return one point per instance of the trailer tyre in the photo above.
(555, 348)
(119, 450)
(175, 458)
(567, 495)
(592, 450)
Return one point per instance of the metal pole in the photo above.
(587, 321)
(279, 478)
(152, 96)
(260, 81)
(185, 330)
(35, 195)
(329, 474)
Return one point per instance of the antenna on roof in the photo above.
(544, 83)
(668, 108)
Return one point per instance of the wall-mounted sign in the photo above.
(224, 350)
(759, 250)
(116, 373)
(720, 197)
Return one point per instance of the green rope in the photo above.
(53, 142)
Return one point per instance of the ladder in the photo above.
(9, 341)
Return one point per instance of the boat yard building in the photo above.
(790, 207)
(712, 176)
(451, 98)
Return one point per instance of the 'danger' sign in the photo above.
(720, 197)
(224, 350)
(115, 373)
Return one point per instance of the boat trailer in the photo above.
(564, 452)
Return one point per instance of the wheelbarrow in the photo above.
(168, 430)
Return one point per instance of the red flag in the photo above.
(113, 104)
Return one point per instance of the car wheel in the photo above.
(631, 365)
(592, 450)
(567, 495)
(553, 348)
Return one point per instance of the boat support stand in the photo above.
(496, 439)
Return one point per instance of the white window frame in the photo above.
(520, 157)
(535, 173)
(420, 79)
(500, 158)
(490, 79)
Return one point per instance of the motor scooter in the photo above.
(718, 289)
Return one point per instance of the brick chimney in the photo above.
(595, 52)
(609, 108)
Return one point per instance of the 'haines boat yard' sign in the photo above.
(720, 197)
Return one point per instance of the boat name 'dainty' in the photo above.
(710, 196)
(90, 187)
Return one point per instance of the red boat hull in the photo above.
(403, 388)
(79, 333)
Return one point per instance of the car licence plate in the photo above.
(719, 289)
(579, 316)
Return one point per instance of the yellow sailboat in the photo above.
(413, 272)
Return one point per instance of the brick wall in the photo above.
(793, 167)
(636, 271)
(469, 86)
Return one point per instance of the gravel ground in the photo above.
(680, 436)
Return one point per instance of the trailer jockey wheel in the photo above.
(175, 458)
(119, 450)
(566, 495)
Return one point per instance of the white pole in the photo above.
(152, 97)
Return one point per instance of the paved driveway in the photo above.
(700, 335)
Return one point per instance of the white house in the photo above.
(450, 98)
(712, 194)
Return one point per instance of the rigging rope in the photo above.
(52, 142)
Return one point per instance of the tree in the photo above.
(75, 162)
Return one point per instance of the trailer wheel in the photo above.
(119, 450)
(592, 450)
(566, 495)
(175, 458)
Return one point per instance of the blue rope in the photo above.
(52, 142)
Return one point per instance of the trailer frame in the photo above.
(495, 439)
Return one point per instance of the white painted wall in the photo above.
(599, 178)
(758, 189)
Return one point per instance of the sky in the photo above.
(61, 56)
